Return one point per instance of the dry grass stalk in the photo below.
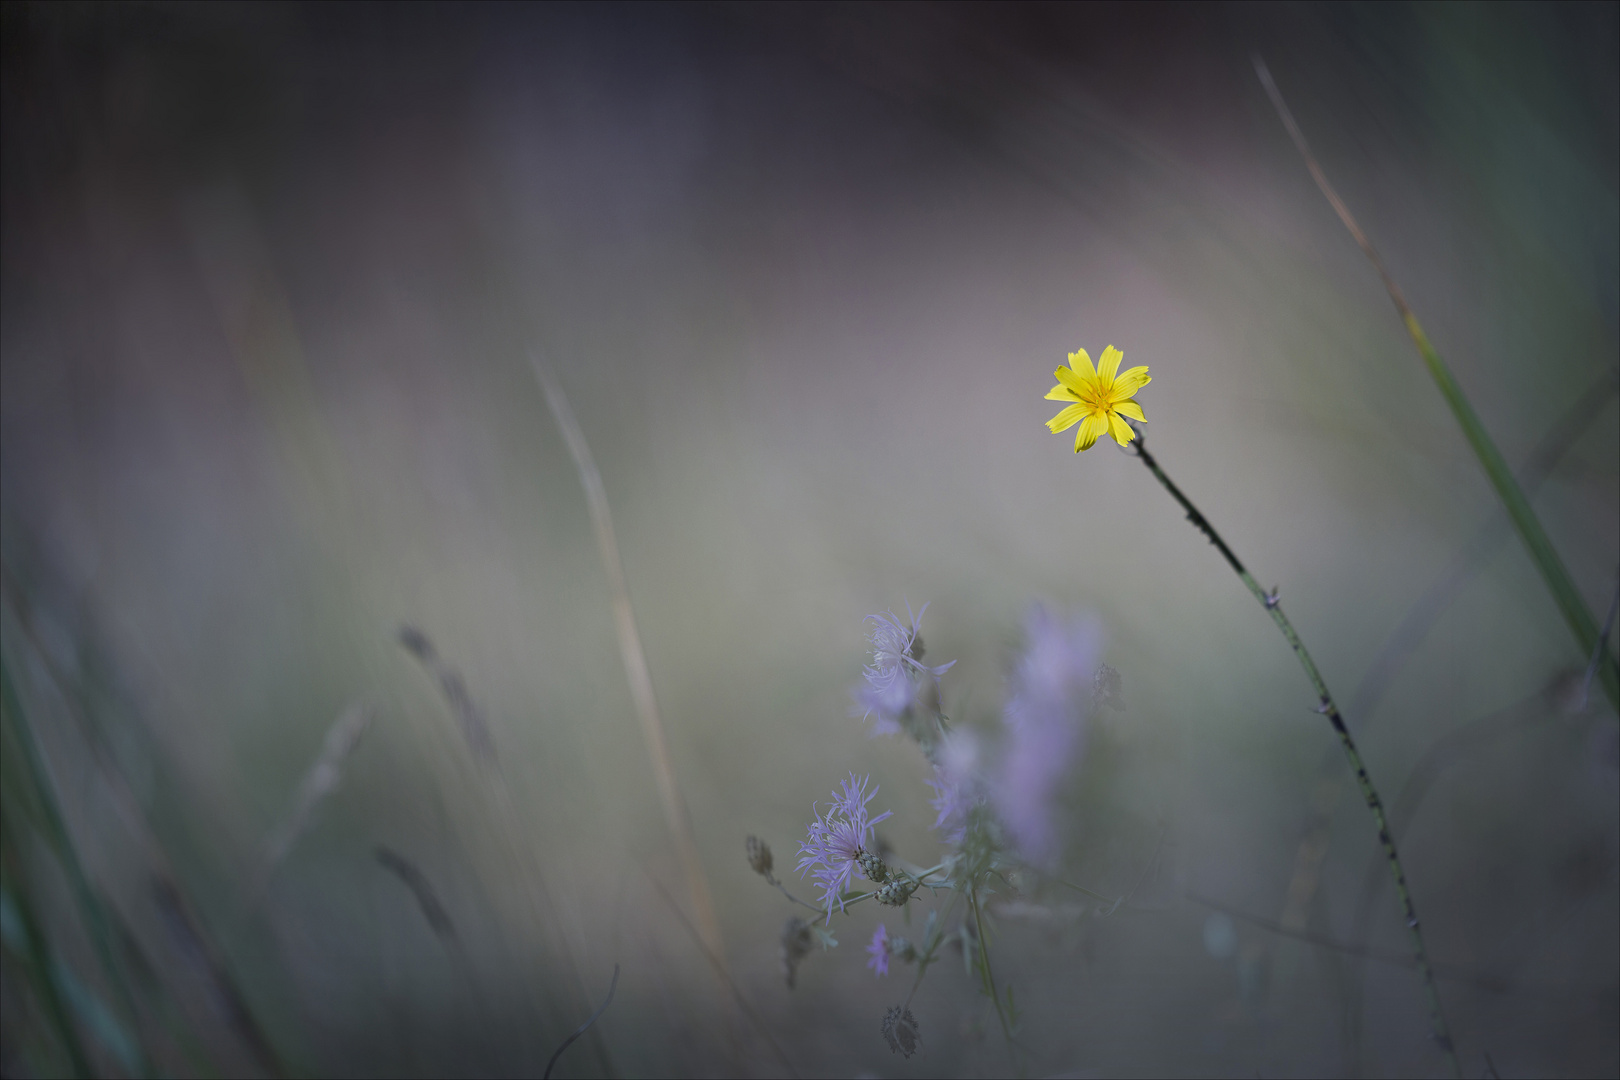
(676, 815)
(454, 689)
(426, 899)
(320, 781)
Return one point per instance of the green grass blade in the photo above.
(90, 906)
(1576, 614)
(21, 932)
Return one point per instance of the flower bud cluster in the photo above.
(896, 891)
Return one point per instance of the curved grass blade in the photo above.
(612, 986)
(322, 778)
(433, 910)
(454, 689)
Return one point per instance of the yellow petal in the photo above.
(1072, 379)
(1130, 409)
(1128, 384)
(1061, 393)
(1090, 428)
(1076, 359)
(1109, 364)
(1120, 430)
(1066, 419)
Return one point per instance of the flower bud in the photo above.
(759, 857)
(900, 1031)
(796, 941)
(896, 892)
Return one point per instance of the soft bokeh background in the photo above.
(273, 279)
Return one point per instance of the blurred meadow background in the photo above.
(309, 641)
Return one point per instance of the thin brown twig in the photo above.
(725, 974)
(322, 778)
(1327, 188)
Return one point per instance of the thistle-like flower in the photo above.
(840, 840)
(891, 679)
(1101, 396)
(1045, 718)
(878, 950)
(956, 785)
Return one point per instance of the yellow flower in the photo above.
(1101, 398)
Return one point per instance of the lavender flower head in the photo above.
(878, 950)
(956, 785)
(1045, 725)
(890, 686)
(837, 840)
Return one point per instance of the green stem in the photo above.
(984, 961)
(1329, 709)
(1568, 598)
(41, 968)
(919, 879)
(90, 906)
(932, 946)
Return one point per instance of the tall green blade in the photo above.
(1576, 614)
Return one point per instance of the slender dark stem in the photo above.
(984, 959)
(770, 878)
(1329, 709)
(931, 946)
(612, 986)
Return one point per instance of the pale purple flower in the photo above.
(890, 686)
(837, 840)
(1045, 726)
(878, 950)
(956, 786)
